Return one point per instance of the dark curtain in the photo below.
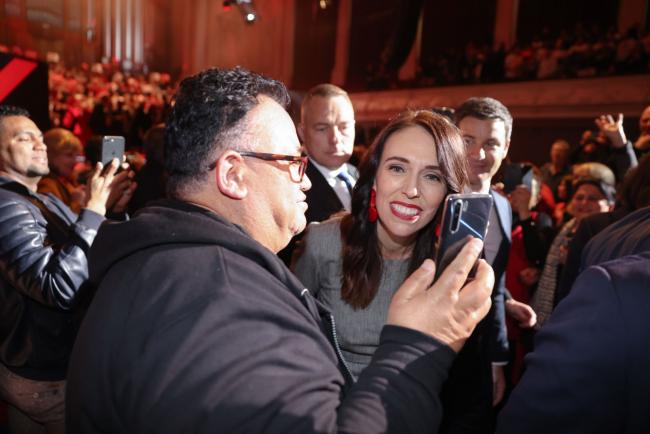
(402, 36)
(381, 35)
(314, 43)
(539, 17)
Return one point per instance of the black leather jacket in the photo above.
(43, 265)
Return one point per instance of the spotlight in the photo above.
(247, 10)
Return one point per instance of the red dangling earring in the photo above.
(372, 207)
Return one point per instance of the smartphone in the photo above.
(464, 215)
(112, 147)
(515, 174)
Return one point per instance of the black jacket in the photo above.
(43, 265)
(197, 328)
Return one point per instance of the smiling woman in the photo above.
(354, 263)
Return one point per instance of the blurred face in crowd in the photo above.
(409, 186)
(63, 163)
(559, 154)
(487, 146)
(644, 121)
(588, 200)
(275, 191)
(23, 155)
(327, 130)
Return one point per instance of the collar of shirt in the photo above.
(329, 174)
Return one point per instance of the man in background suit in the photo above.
(589, 371)
(327, 131)
(486, 126)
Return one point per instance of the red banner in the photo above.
(13, 74)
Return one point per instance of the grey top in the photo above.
(319, 268)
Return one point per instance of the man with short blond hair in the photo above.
(327, 131)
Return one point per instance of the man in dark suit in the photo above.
(588, 373)
(327, 131)
(486, 126)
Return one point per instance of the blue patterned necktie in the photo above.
(346, 181)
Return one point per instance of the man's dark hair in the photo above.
(485, 108)
(207, 114)
(10, 110)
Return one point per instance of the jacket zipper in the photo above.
(337, 348)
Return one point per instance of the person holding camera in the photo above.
(43, 267)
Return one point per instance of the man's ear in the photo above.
(230, 174)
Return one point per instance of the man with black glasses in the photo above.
(198, 327)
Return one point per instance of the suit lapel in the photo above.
(503, 212)
(321, 198)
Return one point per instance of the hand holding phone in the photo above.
(112, 147)
(464, 216)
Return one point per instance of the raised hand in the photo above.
(98, 187)
(613, 130)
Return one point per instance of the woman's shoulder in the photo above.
(325, 228)
(324, 235)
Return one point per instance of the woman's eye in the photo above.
(433, 177)
(396, 168)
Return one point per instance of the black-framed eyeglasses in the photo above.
(297, 163)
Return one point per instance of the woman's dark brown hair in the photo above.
(362, 260)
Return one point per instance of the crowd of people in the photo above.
(586, 51)
(102, 99)
(186, 316)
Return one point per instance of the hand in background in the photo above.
(643, 142)
(98, 187)
(522, 313)
(613, 130)
(121, 190)
(529, 276)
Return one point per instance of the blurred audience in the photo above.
(584, 51)
(101, 99)
(63, 153)
(590, 196)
